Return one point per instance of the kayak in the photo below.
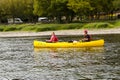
(94, 43)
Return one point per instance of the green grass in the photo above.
(98, 25)
(49, 27)
(117, 23)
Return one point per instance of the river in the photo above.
(19, 60)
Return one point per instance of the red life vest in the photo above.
(53, 38)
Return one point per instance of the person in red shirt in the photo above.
(53, 38)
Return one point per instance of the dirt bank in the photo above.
(61, 32)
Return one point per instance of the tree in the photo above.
(27, 10)
(41, 7)
(19, 8)
(100, 7)
(59, 9)
(52, 8)
(116, 4)
(3, 10)
(107, 7)
(80, 7)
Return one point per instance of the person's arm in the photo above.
(51, 39)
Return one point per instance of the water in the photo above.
(19, 60)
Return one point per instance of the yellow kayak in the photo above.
(95, 43)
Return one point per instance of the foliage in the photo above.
(116, 4)
(16, 8)
(2, 28)
(79, 6)
(98, 25)
(10, 28)
(41, 6)
(117, 23)
(58, 10)
(52, 27)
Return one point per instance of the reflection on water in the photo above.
(81, 63)
(19, 60)
(85, 49)
(67, 52)
(76, 60)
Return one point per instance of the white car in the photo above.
(16, 20)
(43, 19)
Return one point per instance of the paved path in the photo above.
(61, 32)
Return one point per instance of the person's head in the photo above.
(53, 33)
(85, 31)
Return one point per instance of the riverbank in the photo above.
(38, 27)
(60, 32)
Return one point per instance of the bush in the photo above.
(117, 23)
(98, 25)
(9, 28)
(89, 25)
(70, 26)
(2, 28)
(104, 25)
(28, 28)
(50, 27)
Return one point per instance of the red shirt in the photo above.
(53, 38)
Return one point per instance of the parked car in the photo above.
(43, 20)
(16, 21)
